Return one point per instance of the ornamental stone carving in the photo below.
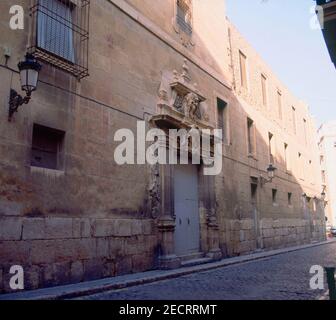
(180, 98)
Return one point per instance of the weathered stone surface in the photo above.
(10, 208)
(32, 278)
(117, 248)
(1, 280)
(58, 228)
(14, 252)
(124, 265)
(81, 228)
(33, 229)
(42, 251)
(147, 227)
(102, 247)
(123, 228)
(10, 228)
(136, 228)
(76, 271)
(93, 269)
(104, 228)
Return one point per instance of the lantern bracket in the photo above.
(15, 101)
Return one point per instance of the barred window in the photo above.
(184, 15)
(61, 33)
(55, 35)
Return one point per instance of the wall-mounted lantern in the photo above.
(29, 72)
(270, 173)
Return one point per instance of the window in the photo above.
(184, 16)
(301, 165)
(60, 34)
(279, 105)
(323, 173)
(254, 188)
(243, 70)
(274, 196)
(294, 119)
(250, 136)
(47, 148)
(290, 195)
(55, 35)
(321, 160)
(305, 130)
(271, 147)
(264, 89)
(222, 119)
(286, 157)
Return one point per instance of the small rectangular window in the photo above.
(280, 105)
(290, 199)
(305, 131)
(271, 147)
(301, 166)
(286, 157)
(243, 69)
(250, 136)
(222, 119)
(264, 89)
(47, 148)
(294, 119)
(254, 188)
(274, 196)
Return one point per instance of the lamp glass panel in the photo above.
(29, 79)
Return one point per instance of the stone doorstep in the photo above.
(120, 282)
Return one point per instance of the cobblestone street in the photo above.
(285, 276)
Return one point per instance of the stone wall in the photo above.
(54, 251)
(239, 236)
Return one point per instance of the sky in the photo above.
(281, 32)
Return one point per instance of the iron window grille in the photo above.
(60, 34)
(184, 16)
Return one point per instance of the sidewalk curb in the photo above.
(120, 282)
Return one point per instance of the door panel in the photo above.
(187, 231)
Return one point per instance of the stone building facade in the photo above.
(70, 213)
(327, 148)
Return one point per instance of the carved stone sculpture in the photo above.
(191, 105)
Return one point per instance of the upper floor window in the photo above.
(279, 104)
(271, 147)
(184, 15)
(243, 69)
(223, 119)
(251, 137)
(54, 29)
(264, 89)
(294, 119)
(305, 130)
(61, 33)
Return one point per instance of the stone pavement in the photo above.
(278, 274)
(281, 277)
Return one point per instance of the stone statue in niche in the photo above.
(191, 104)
